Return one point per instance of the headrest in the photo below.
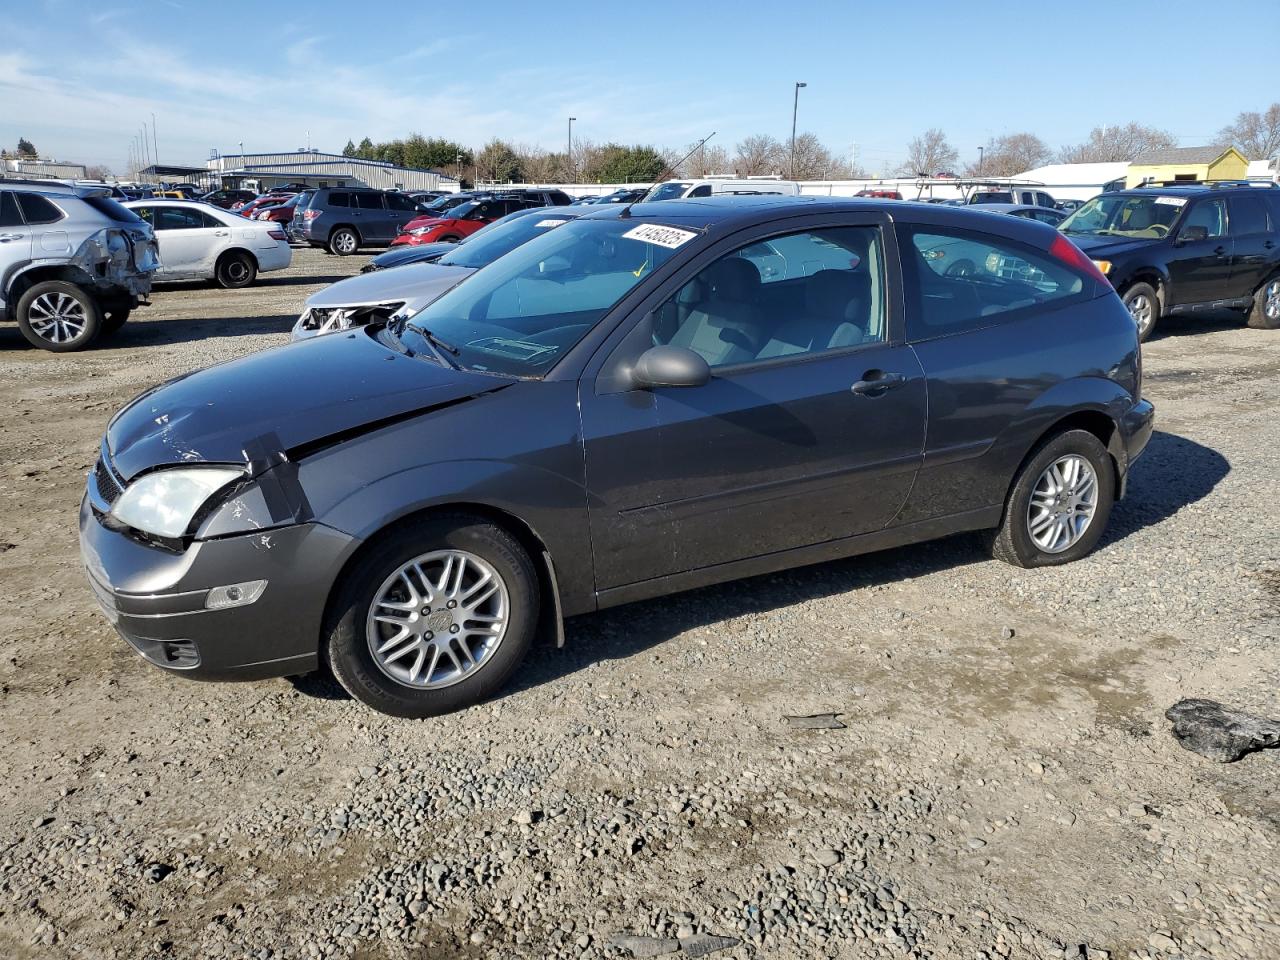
(831, 293)
(732, 279)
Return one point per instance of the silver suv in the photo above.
(73, 262)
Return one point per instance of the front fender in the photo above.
(551, 505)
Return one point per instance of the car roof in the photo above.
(728, 213)
(54, 188)
(1011, 207)
(1190, 190)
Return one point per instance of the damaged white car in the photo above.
(379, 296)
(73, 262)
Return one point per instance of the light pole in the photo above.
(795, 106)
(979, 161)
(568, 153)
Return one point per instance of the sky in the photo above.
(280, 76)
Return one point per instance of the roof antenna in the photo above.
(626, 211)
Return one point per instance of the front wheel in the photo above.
(1265, 313)
(1059, 504)
(59, 316)
(434, 618)
(1144, 306)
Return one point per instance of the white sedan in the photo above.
(199, 241)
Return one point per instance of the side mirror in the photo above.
(1193, 233)
(669, 366)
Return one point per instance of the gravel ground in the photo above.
(1003, 783)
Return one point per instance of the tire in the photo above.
(1143, 305)
(1265, 312)
(386, 683)
(59, 316)
(344, 241)
(235, 270)
(449, 239)
(114, 317)
(1013, 541)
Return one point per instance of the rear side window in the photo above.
(701, 191)
(9, 216)
(398, 201)
(109, 208)
(369, 201)
(1247, 215)
(959, 280)
(36, 209)
(178, 218)
(338, 199)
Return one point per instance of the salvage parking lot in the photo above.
(999, 781)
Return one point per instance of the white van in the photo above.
(711, 186)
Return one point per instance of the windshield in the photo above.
(520, 314)
(500, 237)
(447, 203)
(667, 191)
(1121, 215)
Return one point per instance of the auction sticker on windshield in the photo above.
(1172, 201)
(669, 237)
(550, 223)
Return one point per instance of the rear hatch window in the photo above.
(112, 210)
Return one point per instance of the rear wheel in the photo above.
(1265, 313)
(235, 270)
(1144, 306)
(114, 318)
(344, 242)
(1059, 504)
(59, 316)
(434, 618)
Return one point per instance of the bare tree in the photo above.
(1117, 143)
(707, 159)
(929, 153)
(812, 159)
(98, 172)
(1256, 135)
(539, 166)
(758, 155)
(1010, 155)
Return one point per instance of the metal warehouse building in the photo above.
(262, 171)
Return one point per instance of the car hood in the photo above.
(411, 284)
(400, 256)
(1105, 246)
(283, 399)
(429, 222)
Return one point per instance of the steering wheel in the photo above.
(961, 268)
(1159, 229)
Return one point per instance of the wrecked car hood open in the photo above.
(339, 386)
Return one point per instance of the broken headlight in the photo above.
(165, 502)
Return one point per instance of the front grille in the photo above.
(104, 478)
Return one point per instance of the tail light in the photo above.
(310, 214)
(277, 235)
(1067, 252)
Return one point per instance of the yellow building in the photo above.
(1189, 164)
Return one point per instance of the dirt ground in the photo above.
(1005, 784)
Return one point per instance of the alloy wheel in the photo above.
(1063, 503)
(345, 242)
(437, 619)
(57, 317)
(1271, 300)
(1142, 310)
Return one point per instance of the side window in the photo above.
(728, 314)
(338, 199)
(959, 280)
(209, 220)
(178, 218)
(1210, 214)
(1248, 215)
(398, 201)
(702, 191)
(145, 213)
(36, 209)
(9, 216)
(369, 201)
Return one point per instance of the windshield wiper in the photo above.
(441, 348)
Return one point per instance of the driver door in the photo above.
(791, 442)
(1200, 270)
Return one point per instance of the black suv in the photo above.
(1184, 249)
(538, 197)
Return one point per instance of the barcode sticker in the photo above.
(669, 237)
(550, 223)
(1172, 201)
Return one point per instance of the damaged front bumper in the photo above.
(317, 321)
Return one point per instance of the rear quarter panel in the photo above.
(993, 393)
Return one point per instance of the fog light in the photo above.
(234, 595)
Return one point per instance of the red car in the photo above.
(461, 221)
(253, 206)
(280, 212)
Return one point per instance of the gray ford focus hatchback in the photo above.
(647, 399)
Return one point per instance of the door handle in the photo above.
(6, 237)
(1220, 251)
(876, 383)
(1268, 244)
(222, 233)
